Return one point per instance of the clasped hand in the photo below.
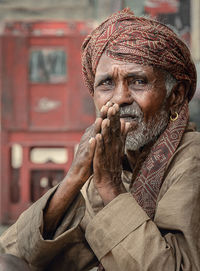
(109, 144)
(100, 152)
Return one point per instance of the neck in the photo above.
(132, 158)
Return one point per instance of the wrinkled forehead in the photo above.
(110, 67)
(107, 63)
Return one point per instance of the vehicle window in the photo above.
(47, 65)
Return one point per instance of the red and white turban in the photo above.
(123, 36)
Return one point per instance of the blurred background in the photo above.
(45, 106)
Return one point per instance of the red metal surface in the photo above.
(40, 113)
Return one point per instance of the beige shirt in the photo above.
(120, 235)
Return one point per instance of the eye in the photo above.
(138, 82)
(106, 82)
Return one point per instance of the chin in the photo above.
(146, 133)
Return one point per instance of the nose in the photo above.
(122, 95)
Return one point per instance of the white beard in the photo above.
(146, 132)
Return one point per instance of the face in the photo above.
(140, 92)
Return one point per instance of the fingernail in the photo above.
(110, 110)
(113, 111)
(103, 108)
(108, 103)
(116, 106)
(99, 136)
(91, 140)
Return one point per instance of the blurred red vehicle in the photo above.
(45, 108)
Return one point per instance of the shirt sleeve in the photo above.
(124, 238)
(67, 248)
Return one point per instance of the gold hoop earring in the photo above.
(174, 118)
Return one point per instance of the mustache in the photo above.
(132, 110)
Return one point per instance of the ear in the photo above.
(178, 96)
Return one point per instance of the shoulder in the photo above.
(188, 149)
(190, 138)
(184, 166)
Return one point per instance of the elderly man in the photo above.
(137, 166)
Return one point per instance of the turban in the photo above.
(128, 38)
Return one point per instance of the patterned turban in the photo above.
(128, 38)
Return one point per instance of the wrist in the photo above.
(78, 175)
(110, 192)
(72, 182)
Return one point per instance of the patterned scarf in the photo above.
(147, 184)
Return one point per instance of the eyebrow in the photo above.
(136, 74)
(102, 77)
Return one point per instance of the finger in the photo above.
(97, 126)
(116, 106)
(111, 112)
(104, 109)
(122, 123)
(105, 130)
(91, 147)
(99, 148)
(127, 128)
(105, 124)
(98, 158)
(124, 130)
(109, 103)
(92, 142)
(113, 115)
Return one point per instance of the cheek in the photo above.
(150, 104)
(100, 100)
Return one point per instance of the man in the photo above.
(137, 166)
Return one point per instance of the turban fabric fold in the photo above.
(128, 38)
